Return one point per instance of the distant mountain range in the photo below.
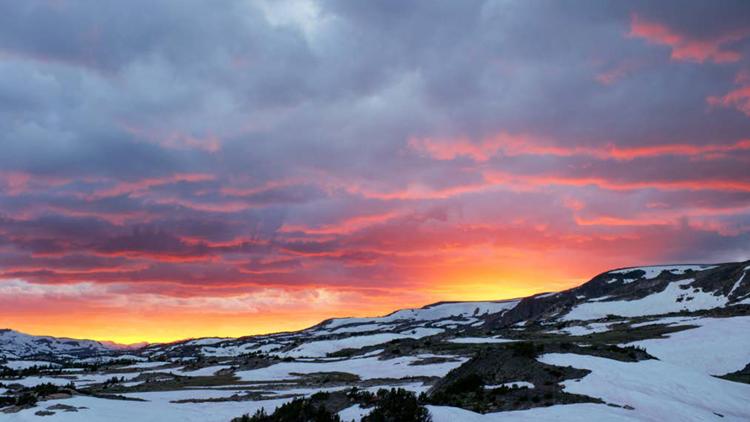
(14, 344)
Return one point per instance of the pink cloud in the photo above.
(17, 183)
(14, 183)
(738, 98)
(515, 145)
(683, 46)
(617, 72)
(482, 150)
(142, 185)
(496, 177)
(347, 225)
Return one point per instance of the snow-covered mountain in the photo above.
(19, 345)
(338, 334)
(629, 292)
(640, 291)
(649, 343)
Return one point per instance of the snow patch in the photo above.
(657, 390)
(514, 384)
(582, 412)
(654, 271)
(150, 411)
(354, 413)
(203, 372)
(206, 341)
(583, 330)
(324, 347)
(672, 299)
(737, 283)
(365, 368)
(665, 321)
(23, 364)
(718, 346)
(431, 313)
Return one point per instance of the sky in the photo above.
(176, 169)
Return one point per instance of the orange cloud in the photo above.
(684, 47)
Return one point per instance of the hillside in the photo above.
(15, 345)
(650, 343)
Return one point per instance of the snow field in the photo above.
(657, 303)
(657, 390)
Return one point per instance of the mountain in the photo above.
(15, 345)
(640, 291)
(637, 291)
(334, 335)
(645, 343)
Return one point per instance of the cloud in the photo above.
(261, 300)
(140, 186)
(683, 46)
(514, 145)
(738, 98)
(384, 153)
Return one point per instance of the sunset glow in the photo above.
(263, 166)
